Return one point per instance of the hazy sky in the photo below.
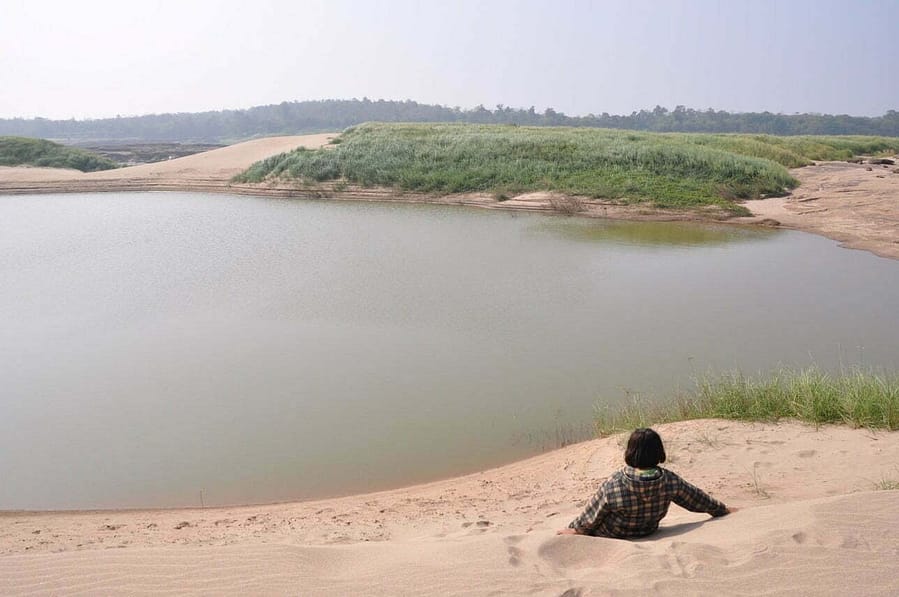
(95, 58)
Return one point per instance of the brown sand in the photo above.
(811, 522)
(856, 204)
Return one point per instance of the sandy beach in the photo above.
(856, 204)
(818, 509)
(813, 520)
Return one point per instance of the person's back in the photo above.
(633, 501)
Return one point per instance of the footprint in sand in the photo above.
(806, 453)
(514, 555)
(680, 563)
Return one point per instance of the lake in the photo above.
(177, 349)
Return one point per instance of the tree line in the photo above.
(288, 118)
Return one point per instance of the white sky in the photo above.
(90, 58)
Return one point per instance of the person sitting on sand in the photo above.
(632, 501)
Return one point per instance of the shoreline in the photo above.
(767, 213)
(793, 483)
(601, 452)
(856, 205)
(853, 204)
(539, 201)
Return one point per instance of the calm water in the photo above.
(154, 346)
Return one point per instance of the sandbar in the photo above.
(855, 204)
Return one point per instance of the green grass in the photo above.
(794, 152)
(886, 484)
(860, 398)
(668, 170)
(22, 151)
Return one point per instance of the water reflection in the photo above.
(652, 234)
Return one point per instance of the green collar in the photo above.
(646, 473)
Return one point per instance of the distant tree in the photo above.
(331, 115)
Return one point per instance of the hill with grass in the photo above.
(668, 170)
(22, 151)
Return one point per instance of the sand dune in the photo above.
(829, 546)
(811, 523)
(210, 168)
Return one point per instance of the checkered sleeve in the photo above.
(593, 514)
(694, 499)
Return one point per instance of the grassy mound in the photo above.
(861, 398)
(662, 169)
(22, 151)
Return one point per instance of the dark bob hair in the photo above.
(644, 449)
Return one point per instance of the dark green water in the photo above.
(155, 346)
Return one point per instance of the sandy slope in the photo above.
(211, 168)
(810, 524)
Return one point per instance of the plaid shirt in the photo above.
(631, 503)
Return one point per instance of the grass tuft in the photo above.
(858, 397)
(887, 484)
